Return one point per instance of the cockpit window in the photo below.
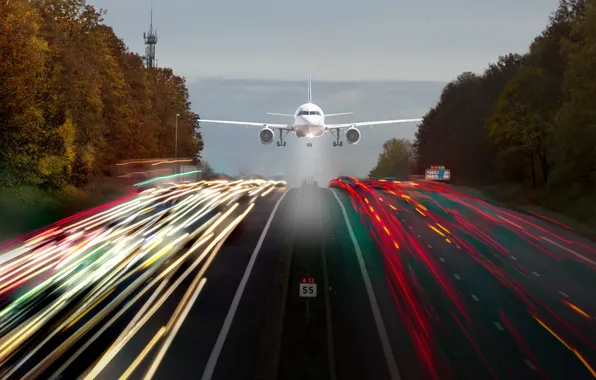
(309, 113)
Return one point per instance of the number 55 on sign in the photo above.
(308, 286)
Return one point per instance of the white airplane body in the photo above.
(309, 122)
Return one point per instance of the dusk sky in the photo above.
(342, 41)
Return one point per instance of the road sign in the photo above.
(437, 173)
(308, 286)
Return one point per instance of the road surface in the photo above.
(201, 280)
(471, 290)
(106, 294)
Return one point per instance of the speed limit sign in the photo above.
(308, 286)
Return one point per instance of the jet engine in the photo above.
(353, 136)
(266, 136)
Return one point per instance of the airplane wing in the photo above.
(370, 123)
(249, 124)
(338, 114)
(280, 114)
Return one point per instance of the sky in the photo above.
(337, 39)
(382, 59)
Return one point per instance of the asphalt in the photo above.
(491, 298)
(415, 281)
(194, 343)
(217, 275)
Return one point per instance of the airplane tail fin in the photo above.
(309, 88)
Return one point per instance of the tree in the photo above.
(207, 172)
(23, 55)
(396, 160)
(452, 133)
(74, 100)
(520, 128)
(523, 126)
(576, 120)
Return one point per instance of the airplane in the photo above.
(309, 122)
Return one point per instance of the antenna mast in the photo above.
(150, 42)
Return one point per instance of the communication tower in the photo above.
(150, 42)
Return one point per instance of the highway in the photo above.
(201, 280)
(104, 294)
(472, 290)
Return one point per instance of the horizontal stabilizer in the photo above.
(338, 114)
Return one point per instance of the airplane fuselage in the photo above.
(309, 121)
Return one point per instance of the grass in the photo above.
(26, 208)
(573, 208)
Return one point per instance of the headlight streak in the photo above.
(122, 340)
(176, 322)
(100, 252)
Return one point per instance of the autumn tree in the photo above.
(74, 100)
(23, 55)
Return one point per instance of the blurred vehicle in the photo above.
(343, 181)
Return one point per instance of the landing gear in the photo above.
(335, 133)
(309, 145)
(282, 135)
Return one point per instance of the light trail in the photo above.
(84, 269)
(445, 253)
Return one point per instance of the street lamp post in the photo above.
(176, 144)
(176, 147)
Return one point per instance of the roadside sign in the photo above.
(437, 173)
(308, 286)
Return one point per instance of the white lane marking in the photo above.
(475, 298)
(221, 338)
(442, 259)
(499, 327)
(456, 277)
(429, 246)
(569, 250)
(536, 274)
(389, 357)
(564, 294)
(513, 257)
(510, 222)
(419, 237)
(410, 227)
(530, 364)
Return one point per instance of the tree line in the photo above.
(527, 118)
(74, 100)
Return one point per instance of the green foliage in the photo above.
(452, 133)
(576, 120)
(531, 118)
(74, 100)
(396, 160)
